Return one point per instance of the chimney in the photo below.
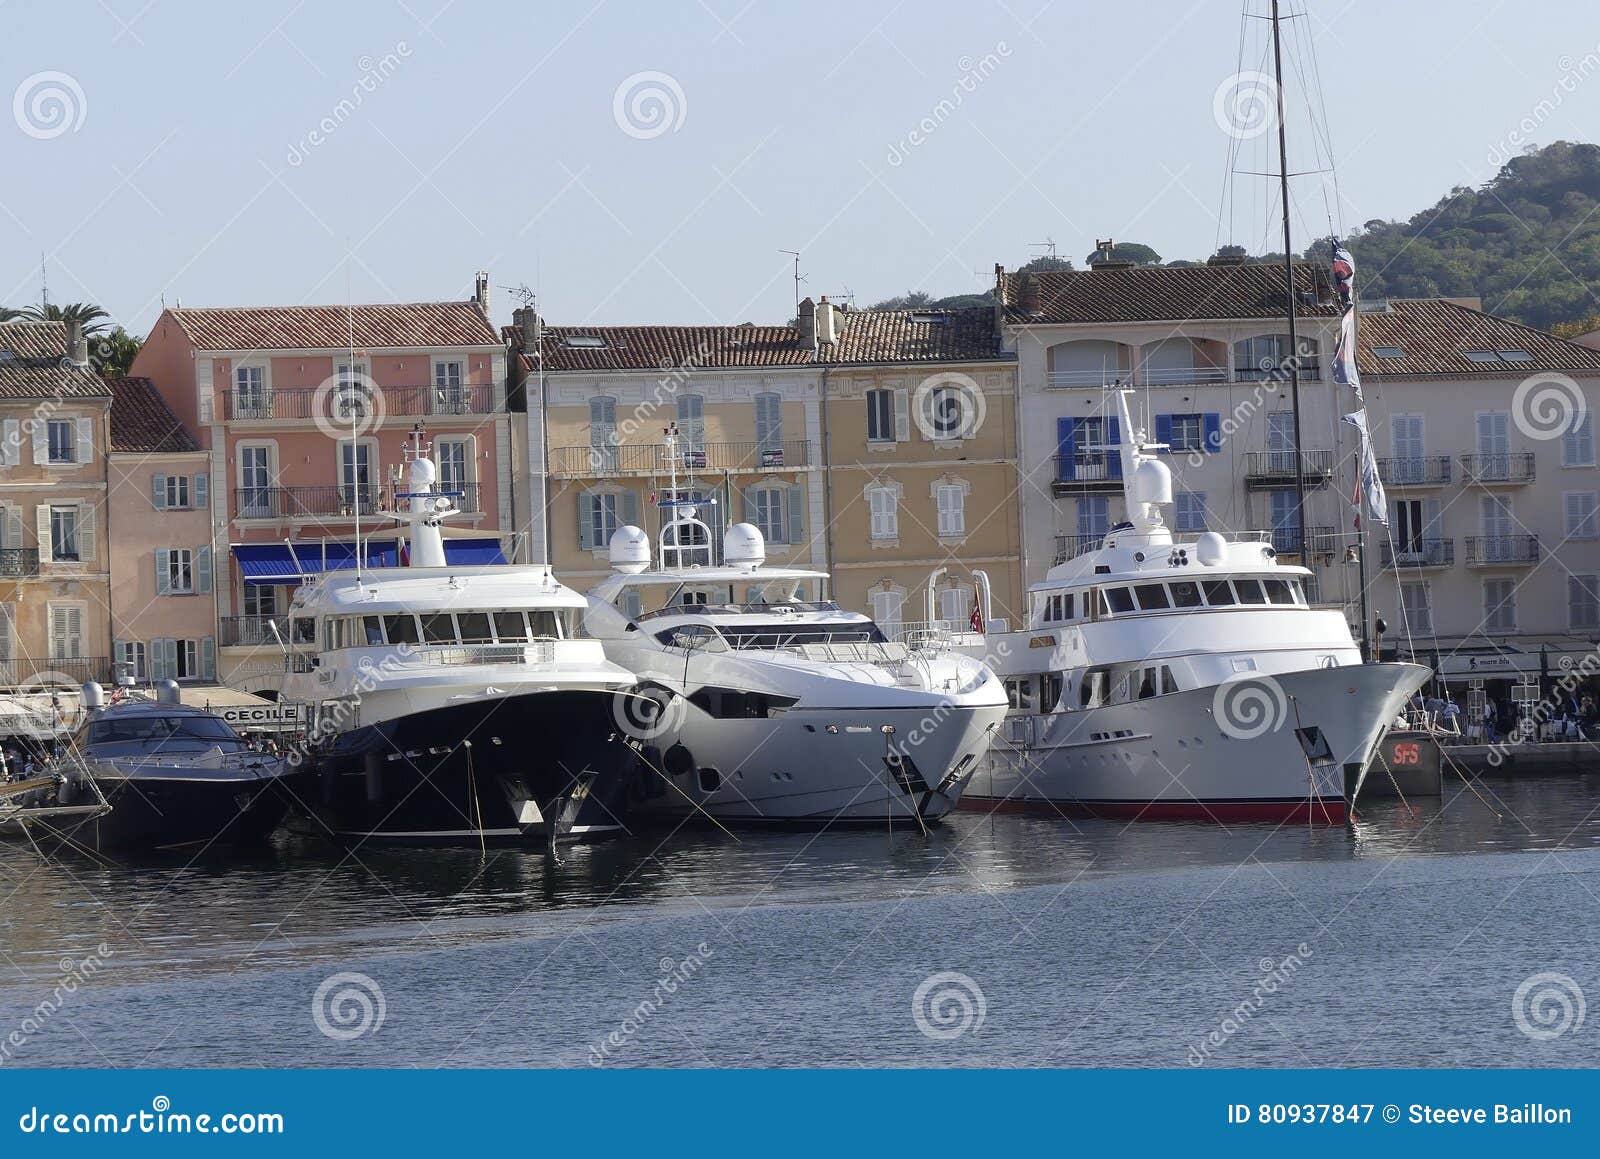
(826, 329)
(480, 292)
(807, 323)
(530, 328)
(1029, 296)
(77, 348)
(1105, 256)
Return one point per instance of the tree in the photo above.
(94, 319)
(113, 354)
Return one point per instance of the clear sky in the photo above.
(277, 153)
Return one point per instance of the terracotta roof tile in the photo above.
(329, 327)
(141, 421)
(1434, 335)
(33, 364)
(1162, 294)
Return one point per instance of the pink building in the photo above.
(304, 435)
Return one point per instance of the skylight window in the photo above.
(592, 341)
(1482, 356)
(1388, 352)
(1514, 356)
(929, 319)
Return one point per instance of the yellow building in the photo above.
(54, 606)
(876, 445)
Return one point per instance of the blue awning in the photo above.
(275, 563)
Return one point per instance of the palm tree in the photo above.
(112, 354)
(93, 319)
(7, 314)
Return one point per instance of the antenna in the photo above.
(44, 284)
(1048, 245)
(522, 293)
(798, 278)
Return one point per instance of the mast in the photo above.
(1288, 274)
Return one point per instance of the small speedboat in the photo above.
(151, 774)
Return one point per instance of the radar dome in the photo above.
(630, 549)
(1211, 548)
(1152, 482)
(422, 474)
(742, 544)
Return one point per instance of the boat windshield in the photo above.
(771, 636)
(164, 731)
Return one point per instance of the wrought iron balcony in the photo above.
(19, 562)
(253, 631)
(1088, 473)
(54, 671)
(1319, 540)
(1516, 467)
(1271, 469)
(1502, 550)
(652, 459)
(331, 501)
(354, 404)
(1418, 471)
(1419, 553)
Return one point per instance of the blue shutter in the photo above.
(163, 576)
(628, 509)
(158, 485)
(1114, 448)
(1066, 448)
(202, 570)
(202, 497)
(1211, 428)
(586, 501)
(1164, 430)
(797, 497)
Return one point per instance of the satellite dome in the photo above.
(1211, 548)
(422, 474)
(630, 550)
(1152, 482)
(742, 544)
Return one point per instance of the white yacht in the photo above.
(455, 703)
(1160, 678)
(772, 708)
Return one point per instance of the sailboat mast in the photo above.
(1288, 275)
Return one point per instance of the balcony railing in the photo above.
(652, 458)
(1491, 550)
(1319, 540)
(1516, 467)
(1088, 472)
(1072, 546)
(1421, 471)
(1181, 375)
(1419, 553)
(54, 672)
(252, 631)
(1269, 467)
(19, 562)
(332, 500)
(1310, 371)
(1168, 376)
(353, 404)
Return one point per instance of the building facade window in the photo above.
(769, 509)
(1577, 445)
(1417, 605)
(449, 386)
(950, 504)
(1187, 434)
(64, 534)
(455, 469)
(177, 491)
(955, 606)
(1494, 434)
(180, 571)
(692, 421)
(255, 480)
(880, 416)
(1583, 602)
(883, 503)
(1189, 511)
(1499, 605)
(1582, 511)
(601, 514)
(769, 421)
(1094, 515)
(63, 438)
(888, 608)
(250, 392)
(131, 660)
(66, 631)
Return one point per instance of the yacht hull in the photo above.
(813, 766)
(191, 810)
(1188, 756)
(537, 766)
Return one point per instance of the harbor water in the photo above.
(1407, 938)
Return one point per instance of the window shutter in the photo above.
(172, 657)
(1164, 429)
(202, 569)
(586, 505)
(797, 518)
(201, 494)
(747, 506)
(1431, 513)
(11, 530)
(1113, 448)
(1211, 432)
(85, 453)
(208, 657)
(39, 432)
(11, 450)
(902, 415)
(1067, 448)
(158, 491)
(628, 508)
(41, 521)
(86, 532)
(163, 574)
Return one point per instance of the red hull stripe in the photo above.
(1329, 810)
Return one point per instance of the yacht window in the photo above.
(1278, 591)
(1122, 686)
(305, 630)
(1067, 601)
(1147, 683)
(543, 624)
(372, 628)
(1121, 599)
(1050, 692)
(1092, 691)
(1152, 597)
(1296, 591)
(1169, 682)
(1249, 591)
(510, 628)
(1218, 593)
(474, 627)
(438, 628)
(1185, 594)
(332, 634)
(401, 629)
(1019, 692)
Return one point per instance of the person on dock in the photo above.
(1491, 722)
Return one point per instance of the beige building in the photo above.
(54, 619)
(826, 435)
(163, 565)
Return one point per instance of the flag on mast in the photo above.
(976, 619)
(1344, 349)
(1368, 483)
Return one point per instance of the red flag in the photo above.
(976, 619)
